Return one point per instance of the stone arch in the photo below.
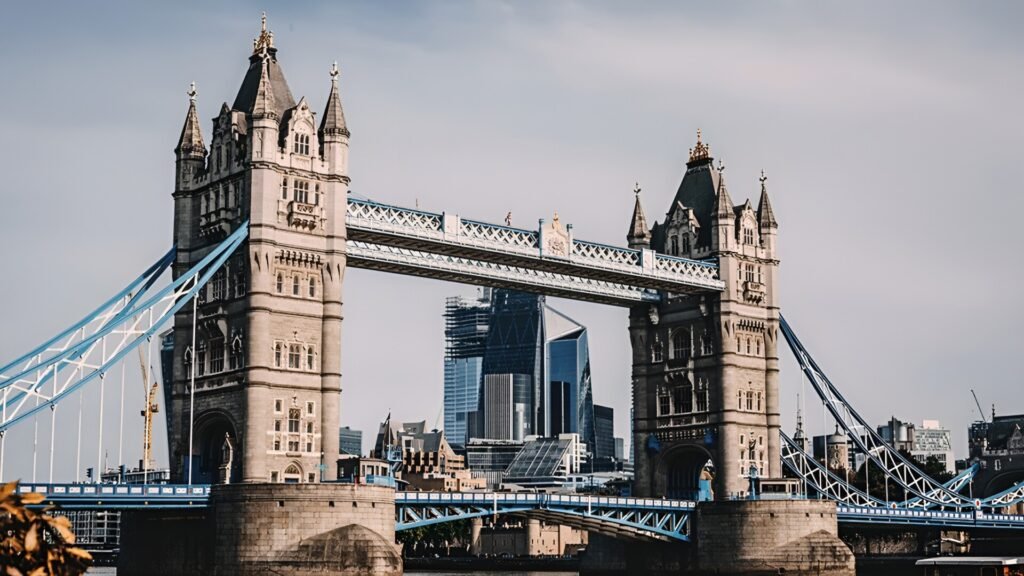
(292, 473)
(208, 457)
(684, 469)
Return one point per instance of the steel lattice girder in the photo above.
(458, 269)
(449, 235)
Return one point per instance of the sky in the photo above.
(890, 134)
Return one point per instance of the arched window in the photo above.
(681, 344)
(284, 188)
(280, 282)
(295, 285)
(309, 358)
(673, 245)
(686, 242)
(702, 396)
(312, 287)
(739, 348)
(739, 400)
(301, 144)
(748, 345)
(758, 401)
(758, 347)
(278, 352)
(293, 474)
(749, 272)
(750, 400)
(656, 353)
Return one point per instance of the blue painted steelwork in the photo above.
(630, 517)
(633, 517)
(120, 496)
(152, 312)
(926, 491)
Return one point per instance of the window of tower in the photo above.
(739, 348)
(309, 362)
(280, 282)
(217, 285)
(201, 360)
(656, 353)
(312, 287)
(739, 400)
(216, 355)
(295, 285)
(748, 345)
(284, 188)
(294, 356)
(750, 400)
(685, 405)
(309, 427)
(702, 396)
(278, 403)
(278, 349)
(681, 344)
(236, 357)
(706, 345)
(316, 195)
(673, 245)
(758, 401)
(664, 403)
(748, 236)
(301, 189)
(758, 347)
(293, 420)
(301, 145)
(686, 242)
(750, 272)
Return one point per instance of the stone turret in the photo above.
(767, 224)
(723, 228)
(190, 153)
(264, 114)
(333, 132)
(639, 236)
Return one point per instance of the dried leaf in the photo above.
(41, 571)
(32, 498)
(8, 489)
(79, 553)
(32, 539)
(12, 571)
(65, 533)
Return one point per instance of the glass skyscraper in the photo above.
(534, 360)
(465, 332)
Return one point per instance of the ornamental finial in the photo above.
(334, 71)
(700, 151)
(763, 179)
(265, 39)
(192, 92)
(636, 189)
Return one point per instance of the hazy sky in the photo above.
(890, 133)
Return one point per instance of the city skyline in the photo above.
(879, 168)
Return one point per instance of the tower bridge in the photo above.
(264, 230)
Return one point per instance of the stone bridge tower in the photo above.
(706, 368)
(267, 342)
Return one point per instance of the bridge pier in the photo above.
(256, 529)
(739, 538)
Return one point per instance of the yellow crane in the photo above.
(151, 408)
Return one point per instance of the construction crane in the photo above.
(981, 413)
(149, 394)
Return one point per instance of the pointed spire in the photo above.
(190, 144)
(333, 122)
(265, 106)
(700, 153)
(639, 234)
(765, 214)
(723, 203)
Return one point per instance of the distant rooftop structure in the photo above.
(546, 462)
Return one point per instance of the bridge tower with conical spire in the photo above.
(706, 368)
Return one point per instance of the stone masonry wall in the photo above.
(769, 537)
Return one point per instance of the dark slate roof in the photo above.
(697, 191)
(638, 225)
(283, 99)
(190, 143)
(765, 214)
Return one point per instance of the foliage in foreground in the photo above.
(36, 543)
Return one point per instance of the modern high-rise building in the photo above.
(465, 332)
(350, 441)
(604, 438)
(533, 359)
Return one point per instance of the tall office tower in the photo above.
(350, 442)
(568, 403)
(515, 346)
(604, 433)
(465, 333)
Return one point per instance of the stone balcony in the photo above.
(753, 291)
